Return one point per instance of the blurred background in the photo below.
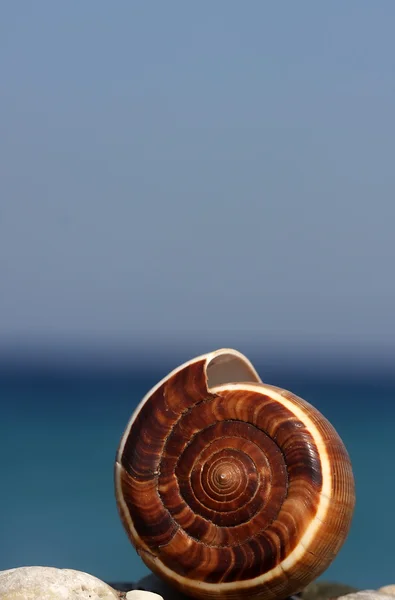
(177, 177)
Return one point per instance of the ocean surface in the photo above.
(59, 431)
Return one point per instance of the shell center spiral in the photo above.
(224, 476)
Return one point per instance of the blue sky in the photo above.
(209, 173)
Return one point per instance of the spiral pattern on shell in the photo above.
(230, 487)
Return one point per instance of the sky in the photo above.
(202, 174)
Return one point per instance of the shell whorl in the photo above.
(230, 487)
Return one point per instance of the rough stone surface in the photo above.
(367, 595)
(388, 589)
(49, 583)
(324, 590)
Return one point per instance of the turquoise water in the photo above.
(59, 434)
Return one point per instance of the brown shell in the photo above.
(230, 489)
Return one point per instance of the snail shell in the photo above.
(228, 487)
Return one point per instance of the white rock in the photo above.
(158, 586)
(367, 595)
(142, 595)
(49, 583)
(388, 589)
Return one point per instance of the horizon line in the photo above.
(294, 355)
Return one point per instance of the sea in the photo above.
(59, 431)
